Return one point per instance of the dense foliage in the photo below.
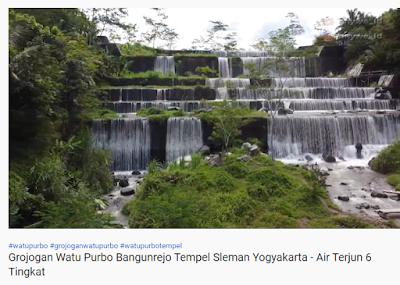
(55, 76)
(236, 195)
(374, 41)
(388, 162)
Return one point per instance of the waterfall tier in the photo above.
(164, 64)
(184, 137)
(127, 139)
(293, 67)
(294, 135)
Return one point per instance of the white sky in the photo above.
(249, 23)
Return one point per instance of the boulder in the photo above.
(381, 112)
(124, 183)
(205, 150)
(285, 111)
(375, 207)
(136, 172)
(308, 158)
(350, 167)
(383, 94)
(244, 158)
(246, 145)
(173, 108)
(254, 150)
(344, 198)
(341, 158)
(377, 194)
(330, 158)
(344, 183)
(215, 160)
(127, 192)
(365, 205)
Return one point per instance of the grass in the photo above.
(156, 114)
(137, 49)
(240, 112)
(394, 180)
(388, 162)
(157, 74)
(180, 55)
(237, 195)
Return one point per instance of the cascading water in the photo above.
(164, 64)
(127, 139)
(161, 94)
(296, 135)
(224, 67)
(184, 137)
(227, 82)
(295, 66)
(312, 82)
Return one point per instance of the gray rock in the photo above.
(377, 194)
(341, 158)
(204, 150)
(123, 183)
(127, 191)
(215, 160)
(285, 111)
(344, 183)
(350, 167)
(344, 198)
(330, 159)
(244, 158)
(365, 205)
(308, 158)
(375, 207)
(173, 108)
(330, 169)
(246, 145)
(136, 172)
(254, 150)
(381, 112)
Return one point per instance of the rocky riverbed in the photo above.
(126, 183)
(353, 186)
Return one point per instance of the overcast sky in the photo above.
(249, 23)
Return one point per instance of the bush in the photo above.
(388, 160)
(236, 195)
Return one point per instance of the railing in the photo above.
(373, 73)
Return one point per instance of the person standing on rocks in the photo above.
(359, 147)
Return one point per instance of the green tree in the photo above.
(158, 29)
(110, 21)
(217, 38)
(281, 43)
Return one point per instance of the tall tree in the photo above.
(110, 21)
(158, 29)
(281, 42)
(217, 38)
